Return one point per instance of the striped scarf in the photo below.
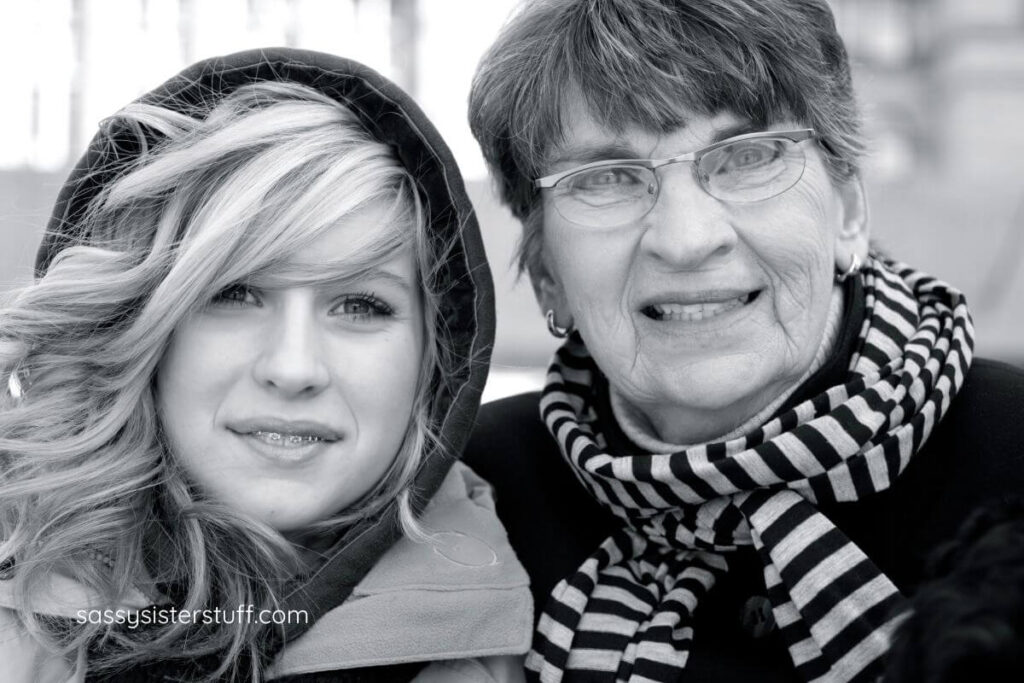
(627, 612)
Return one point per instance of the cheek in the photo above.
(593, 269)
(378, 377)
(193, 379)
(794, 244)
(181, 380)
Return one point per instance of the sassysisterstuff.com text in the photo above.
(172, 615)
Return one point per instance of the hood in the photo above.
(466, 316)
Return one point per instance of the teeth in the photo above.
(286, 440)
(691, 312)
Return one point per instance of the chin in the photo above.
(284, 513)
(291, 521)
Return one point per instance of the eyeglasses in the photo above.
(744, 168)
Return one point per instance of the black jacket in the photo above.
(975, 456)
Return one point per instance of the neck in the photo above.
(661, 434)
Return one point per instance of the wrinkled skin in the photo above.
(694, 380)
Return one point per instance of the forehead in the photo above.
(586, 138)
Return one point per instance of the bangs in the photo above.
(652, 63)
(254, 228)
(278, 253)
(371, 247)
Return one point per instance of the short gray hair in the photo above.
(645, 62)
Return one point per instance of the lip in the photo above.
(275, 425)
(281, 454)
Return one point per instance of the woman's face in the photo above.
(289, 404)
(696, 376)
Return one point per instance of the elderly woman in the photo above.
(756, 428)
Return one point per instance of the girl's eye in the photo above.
(237, 295)
(363, 307)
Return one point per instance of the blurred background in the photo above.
(941, 83)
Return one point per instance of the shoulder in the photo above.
(974, 458)
(507, 424)
(466, 554)
(990, 401)
(510, 445)
(981, 438)
(25, 659)
(465, 575)
(553, 523)
(502, 669)
(62, 596)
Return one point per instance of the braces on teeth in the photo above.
(290, 439)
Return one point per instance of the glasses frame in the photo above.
(799, 135)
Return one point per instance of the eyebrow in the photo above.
(377, 273)
(586, 153)
(617, 149)
(733, 129)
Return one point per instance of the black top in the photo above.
(974, 457)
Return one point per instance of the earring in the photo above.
(851, 271)
(554, 329)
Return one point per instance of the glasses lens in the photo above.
(752, 170)
(606, 196)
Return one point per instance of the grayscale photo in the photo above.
(449, 341)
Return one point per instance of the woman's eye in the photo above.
(752, 154)
(237, 295)
(606, 178)
(363, 307)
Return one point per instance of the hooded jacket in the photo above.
(380, 600)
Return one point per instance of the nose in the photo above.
(687, 227)
(291, 360)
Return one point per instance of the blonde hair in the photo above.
(87, 487)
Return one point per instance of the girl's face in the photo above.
(289, 404)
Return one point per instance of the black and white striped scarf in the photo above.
(628, 610)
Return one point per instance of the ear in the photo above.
(548, 292)
(853, 234)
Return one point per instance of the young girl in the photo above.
(256, 345)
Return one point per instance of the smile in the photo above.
(286, 442)
(702, 310)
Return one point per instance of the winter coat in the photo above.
(456, 608)
(974, 458)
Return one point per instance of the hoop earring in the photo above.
(556, 331)
(851, 271)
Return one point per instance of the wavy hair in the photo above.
(88, 487)
(651, 63)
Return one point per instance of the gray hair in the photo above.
(647, 63)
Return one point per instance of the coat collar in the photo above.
(460, 594)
